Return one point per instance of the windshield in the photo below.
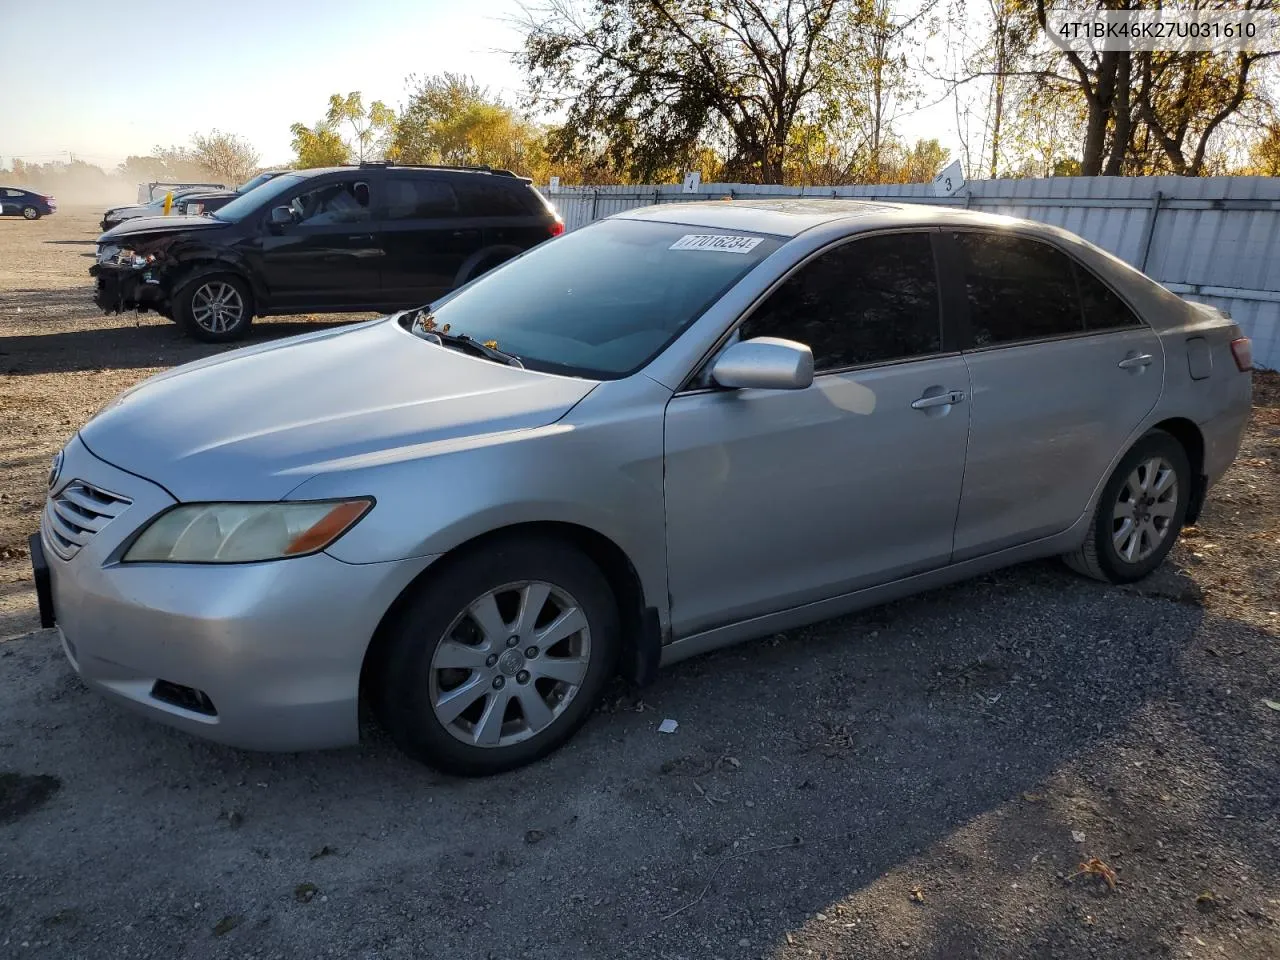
(257, 181)
(247, 203)
(605, 300)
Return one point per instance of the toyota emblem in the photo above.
(55, 469)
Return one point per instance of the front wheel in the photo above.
(31, 213)
(214, 309)
(498, 658)
(1140, 512)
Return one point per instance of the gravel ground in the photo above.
(923, 780)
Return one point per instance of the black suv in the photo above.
(372, 237)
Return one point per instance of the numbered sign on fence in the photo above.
(692, 181)
(949, 180)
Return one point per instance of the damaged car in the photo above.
(372, 237)
(207, 201)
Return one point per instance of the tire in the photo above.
(215, 308)
(30, 213)
(442, 678)
(1117, 554)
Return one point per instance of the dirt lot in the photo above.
(924, 780)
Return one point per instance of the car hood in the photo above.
(253, 424)
(158, 225)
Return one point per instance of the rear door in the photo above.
(514, 217)
(428, 237)
(331, 255)
(1063, 372)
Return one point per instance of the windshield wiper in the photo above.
(423, 324)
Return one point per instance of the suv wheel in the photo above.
(31, 213)
(1140, 512)
(215, 309)
(498, 658)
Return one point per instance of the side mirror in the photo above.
(765, 363)
(280, 216)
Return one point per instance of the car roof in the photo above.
(504, 176)
(790, 216)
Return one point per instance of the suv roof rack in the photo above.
(480, 168)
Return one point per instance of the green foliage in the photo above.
(318, 146)
(450, 119)
(369, 129)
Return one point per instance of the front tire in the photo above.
(499, 658)
(30, 213)
(1140, 512)
(215, 309)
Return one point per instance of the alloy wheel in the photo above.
(217, 307)
(31, 213)
(509, 664)
(1145, 510)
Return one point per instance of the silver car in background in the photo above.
(672, 430)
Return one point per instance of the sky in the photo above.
(100, 81)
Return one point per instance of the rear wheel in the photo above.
(1140, 512)
(499, 658)
(215, 309)
(31, 213)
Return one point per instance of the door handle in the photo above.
(941, 400)
(1133, 363)
(364, 237)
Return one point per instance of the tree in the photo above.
(370, 128)
(227, 156)
(652, 82)
(1264, 157)
(450, 119)
(318, 146)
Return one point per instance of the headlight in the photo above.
(123, 256)
(244, 532)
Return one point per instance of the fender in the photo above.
(500, 252)
(196, 261)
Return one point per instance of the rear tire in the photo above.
(216, 308)
(30, 213)
(1140, 512)
(498, 658)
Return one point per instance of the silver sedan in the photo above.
(676, 429)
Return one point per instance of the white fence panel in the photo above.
(1211, 239)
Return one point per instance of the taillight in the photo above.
(557, 227)
(1242, 350)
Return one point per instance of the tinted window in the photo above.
(248, 203)
(341, 201)
(1018, 289)
(480, 196)
(1103, 310)
(419, 197)
(604, 300)
(867, 301)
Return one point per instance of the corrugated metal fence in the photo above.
(1212, 239)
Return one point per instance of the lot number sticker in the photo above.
(717, 242)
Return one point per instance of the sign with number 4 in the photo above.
(949, 181)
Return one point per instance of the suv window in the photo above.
(480, 196)
(414, 198)
(867, 301)
(341, 201)
(1103, 310)
(1018, 289)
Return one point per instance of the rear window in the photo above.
(416, 198)
(485, 196)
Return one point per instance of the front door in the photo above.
(1063, 373)
(331, 255)
(778, 498)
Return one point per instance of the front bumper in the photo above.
(273, 649)
(119, 288)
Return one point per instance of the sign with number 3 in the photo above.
(949, 181)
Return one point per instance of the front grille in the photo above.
(78, 512)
